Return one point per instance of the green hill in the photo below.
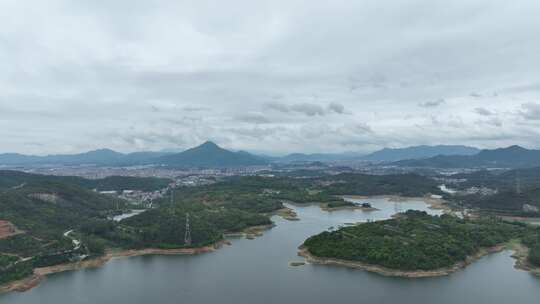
(413, 241)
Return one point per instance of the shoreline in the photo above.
(433, 203)
(324, 207)
(250, 232)
(519, 250)
(520, 254)
(304, 252)
(39, 274)
(286, 213)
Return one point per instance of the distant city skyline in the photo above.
(271, 77)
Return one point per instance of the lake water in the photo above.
(258, 271)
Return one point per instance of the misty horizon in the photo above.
(255, 152)
(275, 77)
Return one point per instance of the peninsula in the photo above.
(415, 244)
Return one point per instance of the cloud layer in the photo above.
(268, 76)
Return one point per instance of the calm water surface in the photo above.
(257, 271)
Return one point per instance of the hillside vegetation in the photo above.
(413, 241)
(50, 212)
(13, 179)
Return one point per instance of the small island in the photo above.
(338, 205)
(344, 204)
(416, 244)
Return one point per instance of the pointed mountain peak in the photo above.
(102, 150)
(516, 148)
(211, 155)
(209, 144)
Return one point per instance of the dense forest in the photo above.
(11, 268)
(11, 179)
(47, 209)
(413, 241)
(409, 185)
(321, 189)
(44, 208)
(532, 241)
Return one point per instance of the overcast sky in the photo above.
(268, 76)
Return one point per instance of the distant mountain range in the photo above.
(207, 155)
(384, 155)
(511, 157)
(210, 155)
(96, 157)
(418, 152)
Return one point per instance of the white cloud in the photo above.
(433, 103)
(308, 109)
(531, 111)
(136, 75)
(483, 111)
(336, 107)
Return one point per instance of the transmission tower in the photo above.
(187, 237)
(172, 196)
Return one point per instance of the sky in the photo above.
(271, 77)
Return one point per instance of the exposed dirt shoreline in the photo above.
(40, 273)
(520, 254)
(286, 213)
(304, 252)
(250, 232)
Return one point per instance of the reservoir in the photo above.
(258, 271)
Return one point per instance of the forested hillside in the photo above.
(413, 241)
(11, 179)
